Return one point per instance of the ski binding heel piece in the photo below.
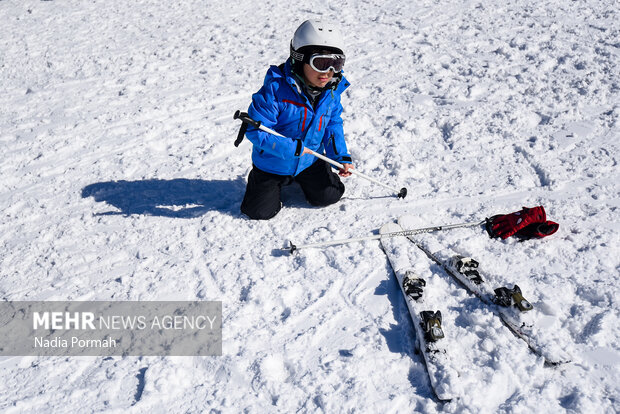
(508, 297)
(431, 324)
(413, 285)
(468, 267)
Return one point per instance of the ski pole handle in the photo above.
(244, 117)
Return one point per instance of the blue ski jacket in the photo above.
(282, 106)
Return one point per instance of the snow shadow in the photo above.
(177, 198)
(399, 338)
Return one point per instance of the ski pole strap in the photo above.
(242, 131)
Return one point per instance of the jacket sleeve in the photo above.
(333, 141)
(264, 108)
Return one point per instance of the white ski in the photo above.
(430, 342)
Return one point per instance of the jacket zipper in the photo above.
(333, 144)
(303, 126)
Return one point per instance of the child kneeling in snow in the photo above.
(299, 99)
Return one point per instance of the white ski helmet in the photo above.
(314, 34)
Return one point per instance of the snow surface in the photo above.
(119, 181)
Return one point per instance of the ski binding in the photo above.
(508, 297)
(413, 286)
(467, 267)
(431, 324)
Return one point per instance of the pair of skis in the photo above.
(517, 313)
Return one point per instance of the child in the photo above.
(300, 99)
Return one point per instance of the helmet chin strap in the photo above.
(311, 91)
(315, 89)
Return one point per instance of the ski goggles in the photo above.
(325, 63)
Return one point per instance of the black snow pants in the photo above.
(320, 185)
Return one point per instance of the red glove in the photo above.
(506, 225)
(538, 230)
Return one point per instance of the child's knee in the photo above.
(328, 196)
(261, 212)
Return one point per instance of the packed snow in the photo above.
(120, 181)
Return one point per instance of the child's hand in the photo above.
(344, 172)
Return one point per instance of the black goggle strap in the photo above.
(305, 58)
(297, 56)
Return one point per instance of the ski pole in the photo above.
(244, 117)
(293, 248)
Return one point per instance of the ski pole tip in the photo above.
(402, 193)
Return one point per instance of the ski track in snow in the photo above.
(120, 182)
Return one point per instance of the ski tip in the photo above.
(402, 193)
